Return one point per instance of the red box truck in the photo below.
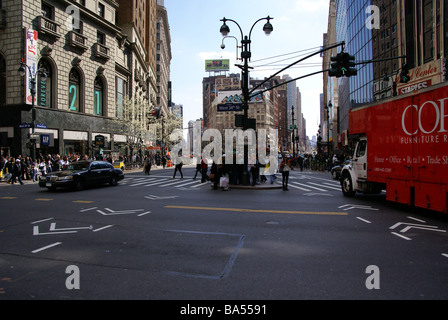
(402, 148)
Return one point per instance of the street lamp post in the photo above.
(330, 105)
(293, 134)
(43, 76)
(246, 54)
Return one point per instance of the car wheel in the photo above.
(79, 185)
(347, 185)
(113, 181)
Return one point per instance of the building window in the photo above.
(47, 11)
(98, 97)
(45, 88)
(74, 91)
(101, 10)
(428, 31)
(100, 38)
(121, 86)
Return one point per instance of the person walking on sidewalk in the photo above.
(284, 168)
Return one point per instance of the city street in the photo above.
(152, 237)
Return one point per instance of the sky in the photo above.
(299, 26)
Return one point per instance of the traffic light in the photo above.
(404, 76)
(343, 65)
(157, 112)
(336, 65)
(348, 65)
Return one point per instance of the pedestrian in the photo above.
(198, 169)
(148, 165)
(17, 172)
(204, 169)
(215, 175)
(284, 168)
(178, 167)
(163, 161)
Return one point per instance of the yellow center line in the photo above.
(44, 200)
(258, 210)
(81, 201)
(8, 198)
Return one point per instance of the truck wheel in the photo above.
(347, 185)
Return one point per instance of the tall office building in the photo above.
(417, 29)
(163, 56)
(95, 54)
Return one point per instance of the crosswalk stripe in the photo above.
(307, 186)
(300, 188)
(186, 184)
(326, 186)
(141, 183)
(155, 183)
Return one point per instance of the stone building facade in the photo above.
(91, 63)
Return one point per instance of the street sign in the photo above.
(41, 126)
(25, 125)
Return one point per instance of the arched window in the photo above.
(44, 88)
(98, 97)
(74, 91)
(2, 81)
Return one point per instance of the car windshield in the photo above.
(77, 166)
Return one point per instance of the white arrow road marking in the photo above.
(123, 212)
(356, 206)
(37, 233)
(422, 228)
(53, 228)
(413, 225)
(154, 198)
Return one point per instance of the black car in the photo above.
(80, 174)
(336, 170)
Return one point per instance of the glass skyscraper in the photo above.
(351, 27)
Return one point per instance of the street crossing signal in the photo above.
(348, 65)
(404, 76)
(343, 65)
(157, 112)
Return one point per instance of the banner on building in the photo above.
(31, 61)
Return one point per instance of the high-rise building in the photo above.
(96, 55)
(163, 56)
(417, 29)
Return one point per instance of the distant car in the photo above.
(80, 174)
(336, 170)
(119, 165)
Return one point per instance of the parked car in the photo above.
(80, 174)
(336, 170)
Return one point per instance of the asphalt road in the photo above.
(154, 238)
